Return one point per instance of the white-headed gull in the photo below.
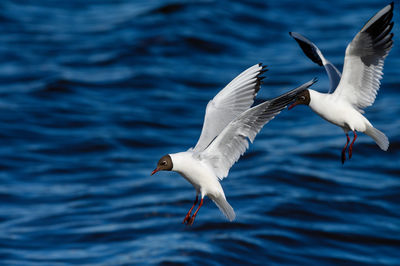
(357, 88)
(229, 123)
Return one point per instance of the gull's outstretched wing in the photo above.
(230, 102)
(312, 52)
(363, 63)
(226, 149)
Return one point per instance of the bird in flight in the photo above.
(229, 123)
(356, 88)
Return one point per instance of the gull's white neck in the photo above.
(324, 105)
(335, 111)
(198, 173)
(180, 161)
(189, 167)
(317, 100)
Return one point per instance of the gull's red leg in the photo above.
(191, 220)
(351, 145)
(344, 149)
(187, 217)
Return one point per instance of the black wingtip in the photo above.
(262, 70)
(263, 67)
(290, 96)
(260, 77)
(307, 84)
(379, 27)
(308, 47)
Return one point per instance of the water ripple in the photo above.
(94, 92)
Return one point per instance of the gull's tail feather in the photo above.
(379, 137)
(224, 207)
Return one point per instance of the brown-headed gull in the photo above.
(229, 123)
(358, 86)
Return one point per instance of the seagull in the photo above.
(357, 88)
(229, 124)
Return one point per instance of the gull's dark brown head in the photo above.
(302, 98)
(164, 164)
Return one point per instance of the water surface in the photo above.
(92, 93)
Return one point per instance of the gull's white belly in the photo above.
(197, 173)
(339, 113)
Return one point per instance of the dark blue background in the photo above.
(92, 93)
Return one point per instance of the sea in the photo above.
(94, 92)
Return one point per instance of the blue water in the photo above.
(92, 93)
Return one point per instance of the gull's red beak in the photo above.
(291, 106)
(155, 171)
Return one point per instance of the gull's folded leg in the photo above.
(191, 220)
(344, 149)
(351, 145)
(187, 217)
